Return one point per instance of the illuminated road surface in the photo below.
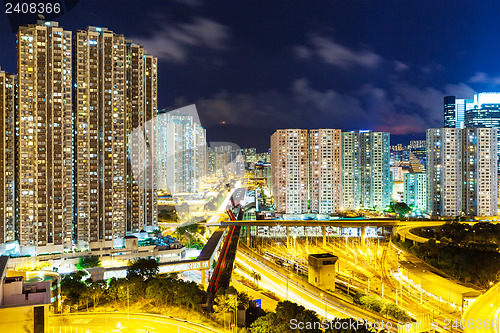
(222, 208)
(277, 283)
(120, 323)
(486, 310)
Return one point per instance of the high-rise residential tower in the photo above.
(415, 191)
(115, 110)
(100, 142)
(366, 179)
(7, 157)
(351, 172)
(182, 151)
(45, 122)
(480, 163)
(290, 170)
(325, 189)
(141, 127)
(461, 174)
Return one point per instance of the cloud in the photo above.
(481, 77)
(174, 42)
(401, 108)
(400, 66)
(191, 3)
(461, 90)
(336, 54)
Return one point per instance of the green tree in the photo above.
(73, 287)
(145, 268)
(265, 324)
(88, 261)
(401, 208)
(96, 291)
(281, 320)
(394, 311)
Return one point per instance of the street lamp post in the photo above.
(346, 252)
(326, 307)
(287, 286)
(128, 301)
(236, 313)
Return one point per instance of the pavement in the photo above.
(484, 314)
(122, 323)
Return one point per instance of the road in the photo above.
(405, 233)
(486, 310)
(119, 322)
(287, 288)
(222, 208)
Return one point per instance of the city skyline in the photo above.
(254, 165)
(325, 69)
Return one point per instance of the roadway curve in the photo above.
(404, 231)
(485, 309)
(100, 322)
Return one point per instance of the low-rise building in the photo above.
(25, 298)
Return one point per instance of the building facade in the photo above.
(325, 163)
(461, 174)
(45, 141)
(290, 170)
(115, 125)
(71, 111)
(455, 111)
(415, 191)
(7, 153)
(183, 153)
(366, 179)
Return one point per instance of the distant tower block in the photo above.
(322, 270)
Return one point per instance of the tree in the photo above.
(145, 268)
(256, 277)
(88, 261)
(264, 324)
(401, 208)
(72, 287)
(96, 291)
(280, 321)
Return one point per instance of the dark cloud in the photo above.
(336, 54)
(173, 42)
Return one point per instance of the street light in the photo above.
(287, 278)
(128, 302)
(326, 307)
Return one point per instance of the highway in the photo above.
(119, 322)
(405, 233)
(325, 306)
(222, 208)
(484, 314)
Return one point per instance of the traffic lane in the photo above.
(278, 284)
(486, 309)
(312, 301)
(112, 322)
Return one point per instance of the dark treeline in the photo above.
(467, 253)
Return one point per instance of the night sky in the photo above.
(263, 65)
